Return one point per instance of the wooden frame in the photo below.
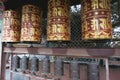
(53, 51)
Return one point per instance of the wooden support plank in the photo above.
(11, 74)
(76, 52)
(30, 76)
(49, 51)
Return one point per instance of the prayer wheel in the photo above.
(58, 24)
(58, 67)
(34, 65)
(74, 71)
(11, 26)
(24, 63)
(93, 71)
(31, 24)
(45, 66)
(96, 20)
(15, 63)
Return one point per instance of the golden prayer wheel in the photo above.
(11, 26)
(96, 21)
(31, 23)
(58, 28)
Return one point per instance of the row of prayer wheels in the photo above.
(27, 29)
(33, 65)
(96, 22)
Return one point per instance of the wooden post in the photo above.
(107, 69)
(2, 63)
(11, 56)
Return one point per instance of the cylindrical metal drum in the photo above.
(58, 24)
(34, 65)
(24, 63)
(45, 66)
(74, 71)
(58, 67)
(93, 71)
(31, 24)
(96, 20)
(15, 63)
(11, 26)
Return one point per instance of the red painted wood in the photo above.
(77, 52)
(101, 52)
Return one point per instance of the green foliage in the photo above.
(115, 13)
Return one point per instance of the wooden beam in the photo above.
(76, 52)
(48, 51)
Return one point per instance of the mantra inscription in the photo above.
(96, 21)
(11, 26)
(58, 28)
(31, 23)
